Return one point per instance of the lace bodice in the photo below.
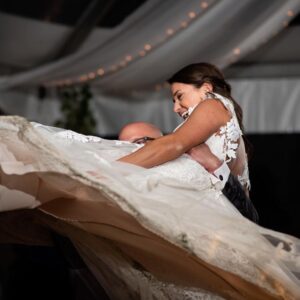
(224, 144)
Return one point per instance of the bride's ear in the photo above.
(207, 87)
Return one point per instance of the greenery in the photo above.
(75, 108)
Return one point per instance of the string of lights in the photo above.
(170, 32)
(127, 59)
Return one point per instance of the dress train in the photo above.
(145, 234)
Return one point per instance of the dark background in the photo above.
(274, 173)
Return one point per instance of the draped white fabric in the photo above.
(77, 180)
(220, 32)
(269, 105)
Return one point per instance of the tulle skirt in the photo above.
(145, 234)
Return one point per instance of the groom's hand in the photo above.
(204, 156)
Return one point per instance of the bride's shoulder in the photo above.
(226, 102)
(211, 108)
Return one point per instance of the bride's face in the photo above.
(187, 95)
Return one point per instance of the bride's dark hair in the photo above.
(199, 73)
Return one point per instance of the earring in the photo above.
(209, 95)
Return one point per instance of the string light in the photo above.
(204, 4)
(83, 78)
(169, 31)
(184, 24)
(237, 51)
(147, 47)
(290, 13)
(100, 71)
(92, 75)
(142, 53)
(192, 14)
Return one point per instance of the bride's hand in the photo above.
(204, 157)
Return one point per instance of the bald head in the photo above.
(133, 131)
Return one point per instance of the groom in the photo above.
(141, 133)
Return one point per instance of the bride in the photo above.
(153, 225)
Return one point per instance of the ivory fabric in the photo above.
(153, 233)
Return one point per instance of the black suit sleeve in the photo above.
(235, 193)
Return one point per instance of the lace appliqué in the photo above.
(228, 137)
(71, 135)
(231, 133)
(244, 178)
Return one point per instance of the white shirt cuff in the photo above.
(221, 175)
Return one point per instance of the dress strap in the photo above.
(226, 102)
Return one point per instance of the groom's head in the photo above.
(139, 132)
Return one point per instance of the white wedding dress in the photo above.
(160, 233)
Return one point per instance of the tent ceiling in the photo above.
(53, 27)
(279, 57)
(68, 12)
(31, 56)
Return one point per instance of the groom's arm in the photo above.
(211, 163)
(231, 187)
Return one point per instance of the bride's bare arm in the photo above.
(206, 119)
